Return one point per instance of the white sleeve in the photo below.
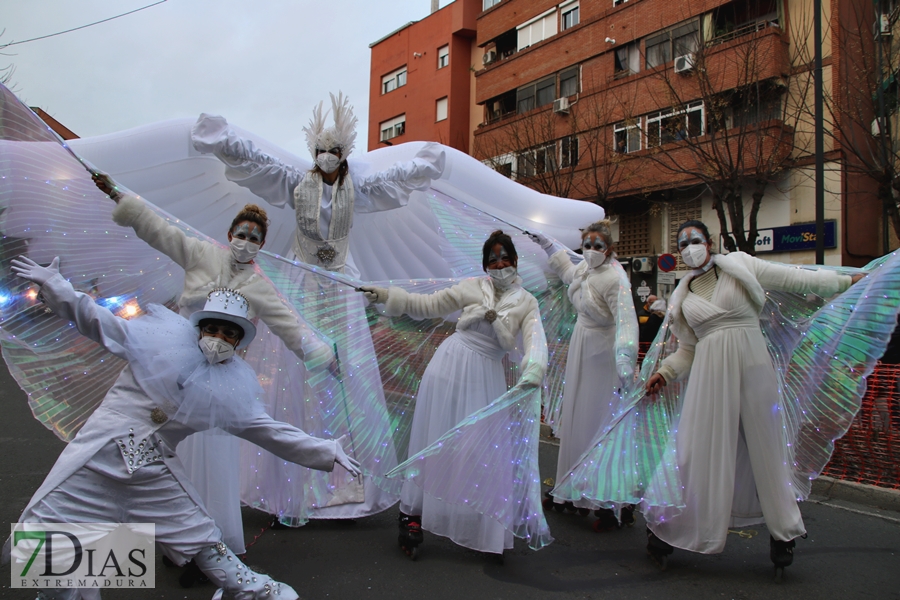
(288, 443)
(534, 363)
(91, 320)
(246, 165)
(391, 188)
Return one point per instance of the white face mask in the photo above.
(243, 251)
(328, 162)
(503, 278)
(215, 350)
(694, 255)
(594, 258)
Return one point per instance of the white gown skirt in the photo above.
(465, 375)
(589, 399)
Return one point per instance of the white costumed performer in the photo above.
(730, 446)
(325, 200)
(182, 377)
(211, 460)
(465, 375)
(599, 364)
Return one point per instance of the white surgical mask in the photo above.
(216, 350)
(694, 255)
(594, 258)
(503, 278)
(328, 162)
(243, 251)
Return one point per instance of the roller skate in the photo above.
(626, 517)
(606, 520)
(658, 550)
(782, 555)
(192, 575)
(410, 534)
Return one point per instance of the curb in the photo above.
(858, 493)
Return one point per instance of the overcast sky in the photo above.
(262, 64)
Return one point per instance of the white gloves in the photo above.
(26, 268)
(375, 295)
(321, 357)
(544, 242)
(341, 458)
(626, 372)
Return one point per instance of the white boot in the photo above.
(235, 579)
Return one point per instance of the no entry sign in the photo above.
(666, 262)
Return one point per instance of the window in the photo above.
(537, 94)
(568, 83)
(675, 125)
(679, 41)
(500, 107)
(618, 2)
(627, 136)
(443, 56)
(569, 152)
(627, 60)
(536, 161)
(441, 109)
(392, 81)
(486, 4)
(393, 128)
(537, 29)
(568, 16)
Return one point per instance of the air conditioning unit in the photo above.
(641, 265)
(684, 63)
(561, 105)
(489, 57)
(884, 24)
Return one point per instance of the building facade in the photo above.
(422, 81)
(664, 111)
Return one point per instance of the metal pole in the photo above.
(820, 136)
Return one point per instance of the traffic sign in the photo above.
(666, 262)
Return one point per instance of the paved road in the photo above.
(852, 551)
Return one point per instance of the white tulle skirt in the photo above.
(589, 398)
(465, 375)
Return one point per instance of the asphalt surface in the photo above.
(852, 551)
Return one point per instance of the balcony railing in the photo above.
(741, 31)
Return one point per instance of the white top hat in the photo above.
(227, 305)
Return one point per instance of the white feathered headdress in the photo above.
(342, 135)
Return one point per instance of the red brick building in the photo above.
(421, 79)
(662, 111)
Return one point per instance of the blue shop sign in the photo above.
(793, 237)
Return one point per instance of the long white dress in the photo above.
(465, 375)
(591, 396)
(730, 446)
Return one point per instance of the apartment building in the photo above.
(422, 80)
(663, 111)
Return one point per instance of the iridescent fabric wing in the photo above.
(489, 463)
(824, 350)
(49, 207)
(632, 461)
(463, 230)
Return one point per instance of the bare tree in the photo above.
(538, 149)
(735, 107)
(861, 116)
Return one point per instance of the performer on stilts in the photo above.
(601, 358)
(182, 377)
(325, 200)
(465, 375)
(729, 443)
